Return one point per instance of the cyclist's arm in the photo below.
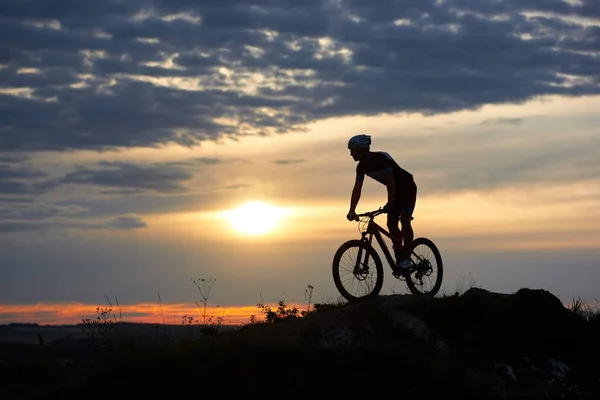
(355, 194)
(391, 186)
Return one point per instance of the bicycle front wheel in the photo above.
(428, 269)
(357, 271)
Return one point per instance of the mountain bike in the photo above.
(357, 265)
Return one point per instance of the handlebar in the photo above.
(370, 214)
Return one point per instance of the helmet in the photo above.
(359, 142)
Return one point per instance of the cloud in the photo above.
(162, 178)
(22, 180)
(125, 178)
(27, 209)
(7, 172)
(15, 200)
(20, 226)
(125, 223)
(526, 155)
(197, 161)
(130, 178)
(7, 158)
(151, 203)
(288, 161)
(122, 192)
(102, 75)
(42, 226)
(234, 187)
(502, 121)
(130, 188)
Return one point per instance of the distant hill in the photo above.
(29, 333)
(479, 345)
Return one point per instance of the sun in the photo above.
(255, 218)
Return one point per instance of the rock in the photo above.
(505, 370)
(335, 336)
(529, 323)
(557, 369)
(400, 319)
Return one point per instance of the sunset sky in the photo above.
(131, 131)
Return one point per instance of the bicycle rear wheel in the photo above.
(357, 271)
(428, 268)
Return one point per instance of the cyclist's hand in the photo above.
(387, 207)
(351, 216)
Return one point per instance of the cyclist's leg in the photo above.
(407, 231)
(393, 218)
(407, 207)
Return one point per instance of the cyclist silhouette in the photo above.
(401, 189)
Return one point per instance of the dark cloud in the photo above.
(124, 177)
(29, 210)
(8, 172)
(117, 223)
(97, 74)
(149, 203)
(130, 189)
(15, 200)
(130, 178)
(125, 223)
(7, 158)
(122, 192)
(22, 180)
(22, 226)
(163, 178)
(288, 161)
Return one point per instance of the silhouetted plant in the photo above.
(584, 310)
(187, 320)
(188, 323)
(111, 307)
(162, 314)
(210, 324)
(283, 312)
(308, 297)
(101, 327)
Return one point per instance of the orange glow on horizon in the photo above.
(73, 313)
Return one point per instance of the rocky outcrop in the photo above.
(479, 345)
(521, 344)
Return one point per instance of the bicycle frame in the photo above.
(373, 229)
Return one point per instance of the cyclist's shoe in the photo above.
(402, 267)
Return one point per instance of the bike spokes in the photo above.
(357, 272)
(426, 275)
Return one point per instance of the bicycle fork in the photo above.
(357, 267)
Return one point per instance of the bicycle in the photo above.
(370, 277)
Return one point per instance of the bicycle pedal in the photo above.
(399, 276)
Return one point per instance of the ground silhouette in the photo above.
(478, 345)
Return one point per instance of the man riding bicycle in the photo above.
(401, 188)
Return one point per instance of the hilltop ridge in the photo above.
(478, 345)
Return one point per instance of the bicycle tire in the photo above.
(372, 288)
(416, 287)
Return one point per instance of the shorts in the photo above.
(406, 199)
